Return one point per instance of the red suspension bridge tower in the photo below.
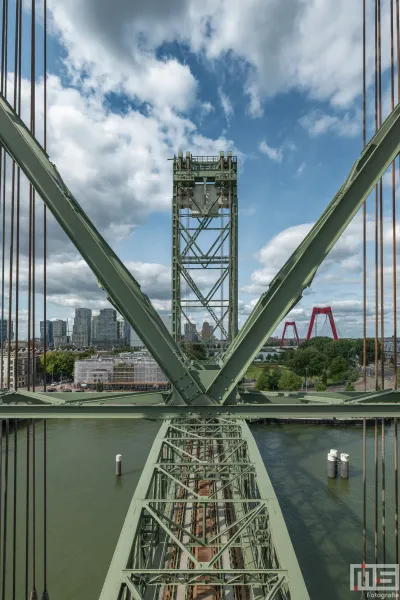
(290, 324)
(326, 310)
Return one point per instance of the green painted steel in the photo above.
(123, 290)
(297, 274)
(193, 215)
(99, 410)
(161, 547)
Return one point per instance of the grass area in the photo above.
(253, 372)
(255, 369)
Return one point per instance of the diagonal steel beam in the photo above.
(244, 518)
(297, 274)
(177, 525)
(272, 594)
(123, 290)
(180, 483)
(173, 537)
(251, 516)
(132, 588)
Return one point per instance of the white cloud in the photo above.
(226, 104)
(308, 45)
(317, 123)
(301, 169)
(274, 154)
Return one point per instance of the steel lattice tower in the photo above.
(204, 241)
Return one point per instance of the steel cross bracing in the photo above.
(197, 384)
(204, 240)
(204, 522)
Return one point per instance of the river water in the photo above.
(87, 504)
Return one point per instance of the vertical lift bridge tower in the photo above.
(204, 241)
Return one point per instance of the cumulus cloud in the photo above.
(274, 154)
(317, 123)
(302, 44)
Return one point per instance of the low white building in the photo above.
(128, 368)
(93, 370)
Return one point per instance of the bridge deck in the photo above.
(204, 522)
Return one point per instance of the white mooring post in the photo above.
(344, 466)
(332, 463)
(118, 463)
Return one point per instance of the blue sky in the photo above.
(132, 84)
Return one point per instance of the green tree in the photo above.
(289, 381)
(262, 381)
(59, 362)
(269, 379)
(195, 351)
(308, 358)
(338, 369)
(349, 387)
(99, 386)
(320, 387)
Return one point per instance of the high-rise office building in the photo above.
(121, 330)
(95, 327)
(81, 333)
(59, 333)
(190, 333)
(49, 333)
(59, 328)
(108, 325)
(206, 332)
(4, 330)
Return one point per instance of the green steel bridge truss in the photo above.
(204, 433)
(248, 550)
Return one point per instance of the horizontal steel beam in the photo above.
(241, 411)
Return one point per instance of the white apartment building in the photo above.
(19, 370)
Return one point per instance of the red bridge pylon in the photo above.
(326, 310)
(290, 324)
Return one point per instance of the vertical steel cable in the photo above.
(3, 582)
(1, 481)
(44, 205)
(396, 498)
(14, 561)
(364, 437)
(45, 595)
(27, 510)
(33, 591)
(16, 363)
(364, 467)
(2, 176)
(394, 243)
(3, 90)
(13, 206)
(379, 27)
(376, 206)
(376, 494)
(383, 493)
(33, 122)
(32, 197)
